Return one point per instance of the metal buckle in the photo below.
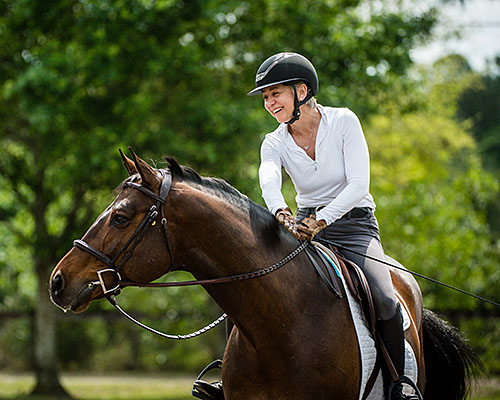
(103, 285)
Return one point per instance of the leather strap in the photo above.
(80, 244)
(372, 379)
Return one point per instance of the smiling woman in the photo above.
(324, 151)
(279, 101)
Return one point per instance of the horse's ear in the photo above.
(128, 164)
(147, 173)
(174, 167)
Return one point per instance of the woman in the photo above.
(324, 152)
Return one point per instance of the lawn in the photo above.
(149, 387)
(104, 387)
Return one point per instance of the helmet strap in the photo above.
(297, 104)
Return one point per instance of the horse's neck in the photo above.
(224, 243)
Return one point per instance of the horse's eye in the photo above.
(119, 220)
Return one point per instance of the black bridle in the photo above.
(116, 263)
(127, 249)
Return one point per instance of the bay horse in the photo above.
(292, 338)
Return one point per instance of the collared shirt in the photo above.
(339, 177)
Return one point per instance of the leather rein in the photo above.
(115, 264)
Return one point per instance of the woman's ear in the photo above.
(302, 91)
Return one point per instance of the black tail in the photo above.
(450, 363)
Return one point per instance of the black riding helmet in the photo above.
(287, 69)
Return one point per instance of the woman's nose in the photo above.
(269, 103)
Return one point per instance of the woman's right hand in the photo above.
(285, 218)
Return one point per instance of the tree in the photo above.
(433, 195)
(479, 105)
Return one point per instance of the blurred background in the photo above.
(81, 78)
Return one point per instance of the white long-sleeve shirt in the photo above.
(339, 177)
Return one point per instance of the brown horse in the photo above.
(292, 338)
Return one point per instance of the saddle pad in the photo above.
(366, 343)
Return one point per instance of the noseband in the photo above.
(127, 249)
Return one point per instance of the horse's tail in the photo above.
(450, 363)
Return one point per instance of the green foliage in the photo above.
(479, 104)
(15, 344)
(431, 204)
(78, 79)
(484, 336)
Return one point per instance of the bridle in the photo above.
(116, 263)
(127, 249)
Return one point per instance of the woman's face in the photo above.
(278, 101)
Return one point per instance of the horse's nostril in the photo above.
(57, 284)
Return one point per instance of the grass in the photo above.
(487, 389)
(149, 387)
(103, 387)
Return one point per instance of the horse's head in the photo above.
(130, 229)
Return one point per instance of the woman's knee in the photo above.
(385, 304)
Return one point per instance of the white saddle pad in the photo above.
(367, 348)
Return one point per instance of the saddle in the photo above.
(353, 275)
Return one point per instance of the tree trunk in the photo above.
(45, 350)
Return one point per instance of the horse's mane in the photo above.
(262, 220)
(215, 186)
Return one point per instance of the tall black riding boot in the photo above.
(392, 335)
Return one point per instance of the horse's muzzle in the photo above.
(67, 299)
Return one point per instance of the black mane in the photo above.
(215, 186)
(263, 223)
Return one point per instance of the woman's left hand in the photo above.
(309, 227)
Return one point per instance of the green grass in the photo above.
(104, 387)
(149, 387)
(487, 389)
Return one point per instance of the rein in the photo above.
(329, 242)
(116, 263)
(226, 279)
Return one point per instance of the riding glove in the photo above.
(309, 227)
(285, 218)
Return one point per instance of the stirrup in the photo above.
(404, 379)
(208, 391)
